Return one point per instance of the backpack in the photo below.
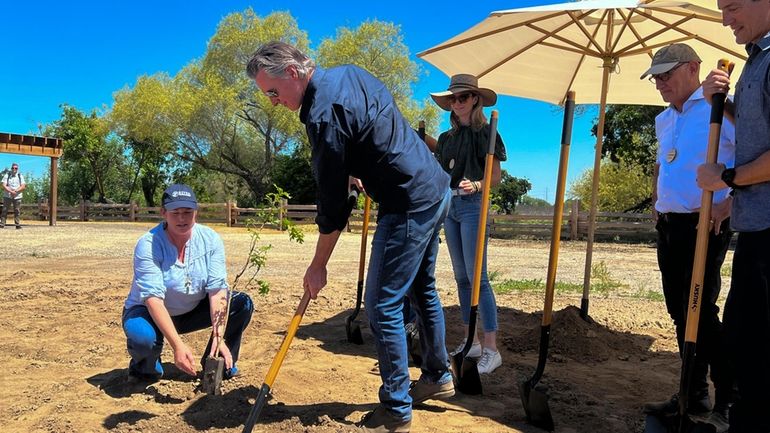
(8, 177)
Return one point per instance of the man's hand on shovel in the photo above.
(315, 280)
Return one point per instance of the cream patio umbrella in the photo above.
(596, 48)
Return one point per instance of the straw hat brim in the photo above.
(488, 96)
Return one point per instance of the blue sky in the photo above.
(80, 53)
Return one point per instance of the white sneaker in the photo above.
(489, 361)
(475, 351)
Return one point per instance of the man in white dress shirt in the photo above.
(682, 131)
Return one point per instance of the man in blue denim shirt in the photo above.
(747, 310)
(355, 129)
(180, 286)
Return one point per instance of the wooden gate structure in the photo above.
(36, 146)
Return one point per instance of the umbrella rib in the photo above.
(626, 24)
(582, 50)
(580, 62)
(683, 14)
(649, 48)
(578, 48)
(633, 30)
(585, 31)
(697, 37)
(530, 45)
(485, 34)
(666, 27)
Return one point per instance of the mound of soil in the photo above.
(578, 339)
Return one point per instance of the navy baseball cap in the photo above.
(177, 196)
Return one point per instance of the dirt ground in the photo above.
(64, 358)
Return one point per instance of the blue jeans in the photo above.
(145, 341)
(461, 229)
(403, 264)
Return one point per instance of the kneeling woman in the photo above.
(180, 286)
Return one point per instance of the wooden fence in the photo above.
(609, 225)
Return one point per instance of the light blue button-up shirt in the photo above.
(158, 273)
(686, 136)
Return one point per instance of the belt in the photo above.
(460, 191)
(674, 217)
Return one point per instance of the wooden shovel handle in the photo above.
(482, 228)
(293, 325)
(704, 217)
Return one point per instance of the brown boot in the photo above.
(380, 420)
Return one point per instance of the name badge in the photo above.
(671, 155)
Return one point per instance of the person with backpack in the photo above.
(13, 185)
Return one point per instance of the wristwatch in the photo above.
(728, 177)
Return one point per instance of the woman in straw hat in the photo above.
(461, 151)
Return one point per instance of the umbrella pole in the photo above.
(595, 188)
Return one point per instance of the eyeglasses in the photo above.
(664, 76)
(461, 98)
(272, 93)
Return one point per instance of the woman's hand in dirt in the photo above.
(184, 360)
(225, 352)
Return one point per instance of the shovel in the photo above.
(264, 391)
(685, 423)
(465, 369)
(535, 400)
(214, 367)
(352, 327)
(429, 141)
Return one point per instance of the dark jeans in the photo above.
(676, 254)
(747, 328)
(145, 341)
(7, 203)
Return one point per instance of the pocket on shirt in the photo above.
(752, 100)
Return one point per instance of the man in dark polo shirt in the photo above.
(355, 129)
(747, 310)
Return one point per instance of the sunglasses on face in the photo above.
(461, 98)
(664, 76)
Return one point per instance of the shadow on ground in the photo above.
(595, 377)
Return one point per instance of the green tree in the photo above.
(623, 185)
(140, 117)
(92, 159)
(294, 174)
(629, 135)
(36, 189)
(223, 122)
(534, 202)
(379, 48)
(509, 192)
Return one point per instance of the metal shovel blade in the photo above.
(212, 376)
(259, 404)
(535, 404)
(466, 372)
(353, 331)
(469, 381)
